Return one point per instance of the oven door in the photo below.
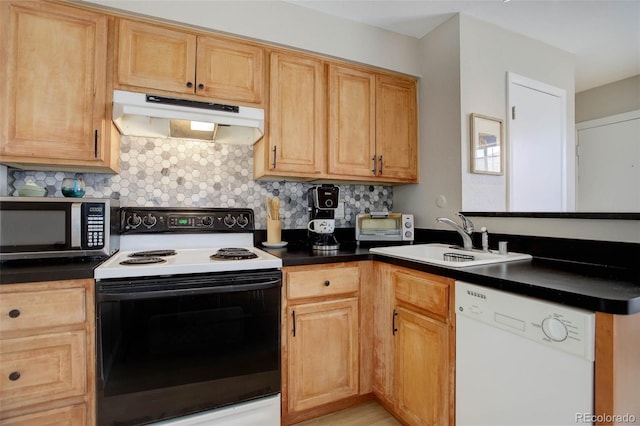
(172, 346)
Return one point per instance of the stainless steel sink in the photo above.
(446, 255)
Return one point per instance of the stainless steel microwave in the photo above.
(35, 227)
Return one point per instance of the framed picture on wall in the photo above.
(486, 145)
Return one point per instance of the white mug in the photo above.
(322, 226)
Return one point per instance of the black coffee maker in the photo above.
(323, 202)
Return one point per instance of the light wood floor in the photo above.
(368, 414)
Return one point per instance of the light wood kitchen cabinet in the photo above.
(295, 139)
(617, 368)
(54, 88)
(372, 127)
(415, 337)
(162, 59)
(47, 353)
(320, 337)
(420, 368)
(352, 122)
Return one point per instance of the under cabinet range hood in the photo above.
(139, 114)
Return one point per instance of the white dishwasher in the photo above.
(521, 361)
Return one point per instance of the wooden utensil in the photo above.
(275, 205)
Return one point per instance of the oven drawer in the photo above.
(324, 281)
(42, 368)
(31, 310)
(430, 293)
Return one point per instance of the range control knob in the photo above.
(134, 221)
(229, 221)
(242, 220)
(207, 221)
(554, 329)
(149, 221)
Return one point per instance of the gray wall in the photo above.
(438, 193)
(611, 99)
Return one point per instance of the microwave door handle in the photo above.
(76, 224)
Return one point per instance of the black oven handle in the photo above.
(110, 296)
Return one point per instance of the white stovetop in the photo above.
(192, 257)
(185, 261)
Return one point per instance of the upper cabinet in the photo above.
(366, 130)
(396, 128)
(54, 88)
(162, 59)
(373, 130)
(352, 122)
(295, 140)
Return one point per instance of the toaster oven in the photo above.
(384, 227)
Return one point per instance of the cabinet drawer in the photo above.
(322, 282)
(42, 368)
(25, 311)
(430, 294)
(75, 415)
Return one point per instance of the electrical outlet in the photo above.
(339, 213)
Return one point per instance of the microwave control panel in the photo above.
(94, 216)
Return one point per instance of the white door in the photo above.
(537, 159)
(609, 164)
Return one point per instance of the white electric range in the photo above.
(188, 321)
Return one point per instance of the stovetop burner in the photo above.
(233, 253)
(142, 260)
(153, 253)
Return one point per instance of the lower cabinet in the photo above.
(323, 353)
(320, 338)
(47, 353)
(415, 337)
(421, 379)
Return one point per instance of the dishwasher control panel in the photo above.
(568, 329)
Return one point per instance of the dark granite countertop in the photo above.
(584, 286)
(17, 272)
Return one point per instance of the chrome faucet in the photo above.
(465, 230)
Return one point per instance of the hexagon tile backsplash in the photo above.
(184, 173)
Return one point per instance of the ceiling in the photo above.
(604, 35)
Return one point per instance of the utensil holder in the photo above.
(273, 231)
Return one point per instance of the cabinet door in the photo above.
(396, 128)
(38, 369)
(383, 349)
(421, 368)
(296, 114)
(154, 57)
(323, 359)
(228, 70)
(53, 82)
(352, 124)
